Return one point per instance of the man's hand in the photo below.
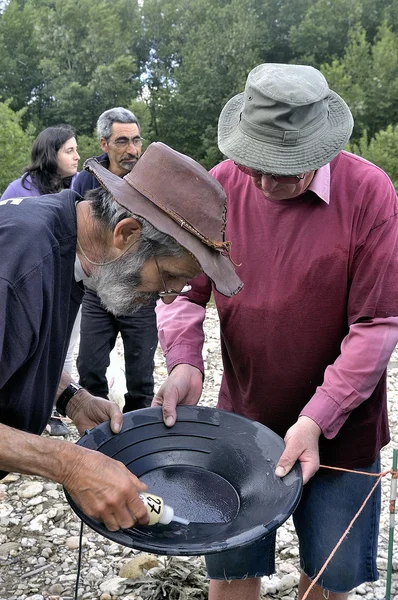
(301, 444)
(87, 411)
(103, 488)
(183, 386)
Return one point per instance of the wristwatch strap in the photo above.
(66, 395)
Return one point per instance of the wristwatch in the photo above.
(66, 395)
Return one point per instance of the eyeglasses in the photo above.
(278, 178)
(165, 291)
(124, 142)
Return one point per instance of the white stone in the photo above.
(288, 582)
(382, 564)
(53, 494)
(58, 532)
(73, 542)
(114, 586)
(28, 542)
(94, 575)
(285, 538)
(8, 547)
(38, 523)
(11, 477)
(35, 501)
(56, 589)
(287, 567)
(114, 549)
(269, 585)
(66, 578)
(5, 510)
(30, 489)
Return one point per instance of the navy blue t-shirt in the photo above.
(39, 301)
(86, 181)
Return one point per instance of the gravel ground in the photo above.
(39, 534)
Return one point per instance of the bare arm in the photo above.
(102, 487)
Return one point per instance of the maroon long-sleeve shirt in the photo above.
(313, 328)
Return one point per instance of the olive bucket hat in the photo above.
(287, 121)
(180, 198)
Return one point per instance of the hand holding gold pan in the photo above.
(214, 468)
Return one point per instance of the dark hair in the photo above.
(43, 167)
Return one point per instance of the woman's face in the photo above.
(68, 158)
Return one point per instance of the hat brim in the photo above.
(217, 266)
(307, 155)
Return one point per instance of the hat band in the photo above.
(223, 247)
(220, 246)
(287, 137)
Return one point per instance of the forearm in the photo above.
(30, 454)
(103, 488)
(352, 378)
(180, 328)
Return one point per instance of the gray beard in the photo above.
(116, 285)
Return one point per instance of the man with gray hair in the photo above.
(119, 135)
(133, 241)
(306, 344)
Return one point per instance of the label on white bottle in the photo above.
(154, 505)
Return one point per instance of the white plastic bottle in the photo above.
(158, 511)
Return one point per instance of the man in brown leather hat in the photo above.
(135, 239)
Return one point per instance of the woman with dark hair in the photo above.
(53, 166)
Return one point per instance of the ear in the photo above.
(103, 144)
(126, 232)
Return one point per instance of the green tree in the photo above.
(69, 60)
(87, 146)
(367, 78)
(382, 82)
(348, 76)
(20, 76)
(90, 62)
(323, 33)
(202, 60)
(15, 144)
(381, 150)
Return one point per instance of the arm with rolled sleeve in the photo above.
(373, 325)
(372, 319)
(365, 353)
(180, 329)
(180, 326)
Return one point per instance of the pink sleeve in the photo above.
(180, 325)
(351, 379)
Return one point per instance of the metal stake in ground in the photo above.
(393, 497)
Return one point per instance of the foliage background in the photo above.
(176, 62)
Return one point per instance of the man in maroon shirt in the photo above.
(306, 343)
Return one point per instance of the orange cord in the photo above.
(333, 552)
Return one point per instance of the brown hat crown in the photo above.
(181, 199)
(183, 189)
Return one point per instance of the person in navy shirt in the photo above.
(53, 167)
(130, 247)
